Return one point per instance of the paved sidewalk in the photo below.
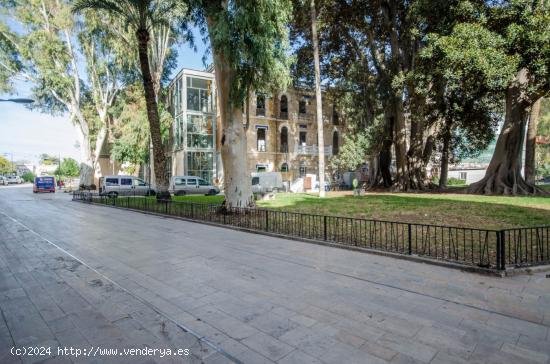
(50, 300)
(270, 300)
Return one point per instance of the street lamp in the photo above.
(18, 101)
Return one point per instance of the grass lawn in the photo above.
(447, 209)
(489, 212)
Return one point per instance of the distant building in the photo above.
(468, 172)
(22, 168)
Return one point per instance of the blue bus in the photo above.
(44, 184)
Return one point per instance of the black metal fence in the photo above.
(486, 248)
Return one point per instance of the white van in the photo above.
(191, 185)
(264, 182)
(114, 186)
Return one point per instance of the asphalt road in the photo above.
(262, 299)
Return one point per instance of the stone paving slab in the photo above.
(56, 301)
(270, 300)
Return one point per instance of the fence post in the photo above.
(166, 208)
(502, 250)
(266, 220)
(325, 227)
(499, 247)
(192, 211)
(409, 228)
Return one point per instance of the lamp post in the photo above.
(18, 100)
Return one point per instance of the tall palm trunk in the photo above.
(318, 101)
(153, 116)
(530, 145)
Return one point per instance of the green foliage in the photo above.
(452, 181)
(48, 160)
(68, 168)
(38, 51)
(465, 73)
(252, 36)
(525, 25)
(131, 128)
(6, 167)
(28, 177)
(138, 14)
(352, 152)
(543, 150)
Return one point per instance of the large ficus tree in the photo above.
(249, 42)
(462, 76)
(525, 26)
(142, 16)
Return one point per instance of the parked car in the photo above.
(191, 185)
(264, 182)
(13, 179)
(44, 184)
(3, 181)
(114, 186)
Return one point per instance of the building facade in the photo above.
(192, 103)
(281, 135)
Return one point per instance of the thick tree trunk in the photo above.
(503, 176)
(100, 140)
(153, 116)
(400, 139)
(444, 172)
(530, 145)
(374, 171)
(237, 181)
(86, 161)
(384, 160)
(415, 156)
(318, 101)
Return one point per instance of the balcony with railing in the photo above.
(313, 150)
(306, 117)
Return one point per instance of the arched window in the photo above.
(335, 146)
(260, 105)
(284, 140)
(284, 107)
(284, 167)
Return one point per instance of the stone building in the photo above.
(281, 137)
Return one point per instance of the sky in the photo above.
(25, 134)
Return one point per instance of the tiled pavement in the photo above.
(264, 299)
(50, 300)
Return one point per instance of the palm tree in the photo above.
(318, 100)
(141, 16)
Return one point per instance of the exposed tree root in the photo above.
(508, 184)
